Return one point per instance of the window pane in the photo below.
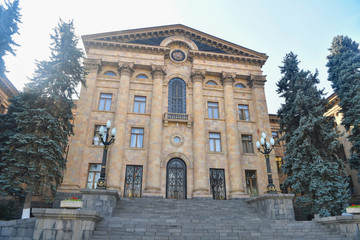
(210, 112)
(89, 185)
(133, 140)
(142, 107)
(214, 135)
(106, 95)
(102, 104)
(212, 104)
(110, 73)
(97, 176)
(218, 145)
(91, 177)
(139, 98)
(212, 145)
(136, 107)
(216, 113)
(247, 117)
(95, 167)
(140, 141)
(137, 130)
(108, 105)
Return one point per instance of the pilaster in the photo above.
(232, 138)
(115, 160)
(201, 188)
(155, 134)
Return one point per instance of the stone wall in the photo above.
(21, 229)
(274, 206)
(348, 225)
(103, 201)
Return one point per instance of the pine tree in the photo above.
(315, 173)
(35, 155)
(9, 20)
(344, 74)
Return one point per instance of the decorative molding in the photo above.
(177, 144)
(257, 80)
(157, 72)
(126, 69)
(166, 159)
(92, 64)
(197, 75)
(228, 78)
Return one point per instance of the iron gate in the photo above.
(176, 179)
(217, 183)
(133, 179)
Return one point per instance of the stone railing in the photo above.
(348, 225)
(177, 117)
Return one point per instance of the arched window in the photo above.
(142, 76)
(110, 73)
(177, 96)
(240, 85)
(211, 83)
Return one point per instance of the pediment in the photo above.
(154, 36)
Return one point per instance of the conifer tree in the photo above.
(344, 75)
(9, 20)
(35, 155)
(315, 173)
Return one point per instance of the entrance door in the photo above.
(133, 179)
(217, 183)
(176, 179)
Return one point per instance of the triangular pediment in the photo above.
(153, 36)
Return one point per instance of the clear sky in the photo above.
(274, 27)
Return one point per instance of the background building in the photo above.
(187, 107)
(7, 90)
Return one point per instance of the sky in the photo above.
(274, 27)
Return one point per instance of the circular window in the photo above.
(177, 139)
(178, 55)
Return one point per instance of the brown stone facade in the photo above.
(193, 85)
(7, 90)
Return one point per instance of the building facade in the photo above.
(187, 108)
(7, 90)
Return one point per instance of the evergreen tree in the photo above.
(344, 74)
(9, 20)
(315, 173)
(35, 155)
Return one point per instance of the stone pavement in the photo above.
(197, 219)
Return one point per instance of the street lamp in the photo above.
(101, 184)
(267, 147)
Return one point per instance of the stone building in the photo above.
(187, 107)
(344, 147)
(7, 90)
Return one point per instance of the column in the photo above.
(78, 141)
(201, 188)
(115, 160)
(232, 138)
(155, 134)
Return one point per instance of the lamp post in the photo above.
(267, 147)
(101, 184)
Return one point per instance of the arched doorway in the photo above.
(176, 179)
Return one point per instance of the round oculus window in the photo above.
(178, 55)
(177, 139)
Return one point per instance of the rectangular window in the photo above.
(275, 136)
(215, 142)
(244, 112)
(247, 144)
(96, 139)
(213, 110)
(93, 176)
(137, 136)
(251, 182)
(105, 101)
(139, 104)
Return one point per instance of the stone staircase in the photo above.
(157, 219)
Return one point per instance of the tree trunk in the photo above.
(27, 204)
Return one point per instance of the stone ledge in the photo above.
(68, 214)
(17, 222)
(339, 219)
(270, 196)
(101, 192)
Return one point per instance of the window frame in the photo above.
(247, 144)
(106, 100)
(138, 144)
(96, 134)
(250, 191)
(211, 109)
(215, 140)
(140, 102)
(243, 112)
(94, 183)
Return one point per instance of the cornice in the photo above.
(157, 72)
(126, 69)
(92, 64)
(257, 80)
(7, 86)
